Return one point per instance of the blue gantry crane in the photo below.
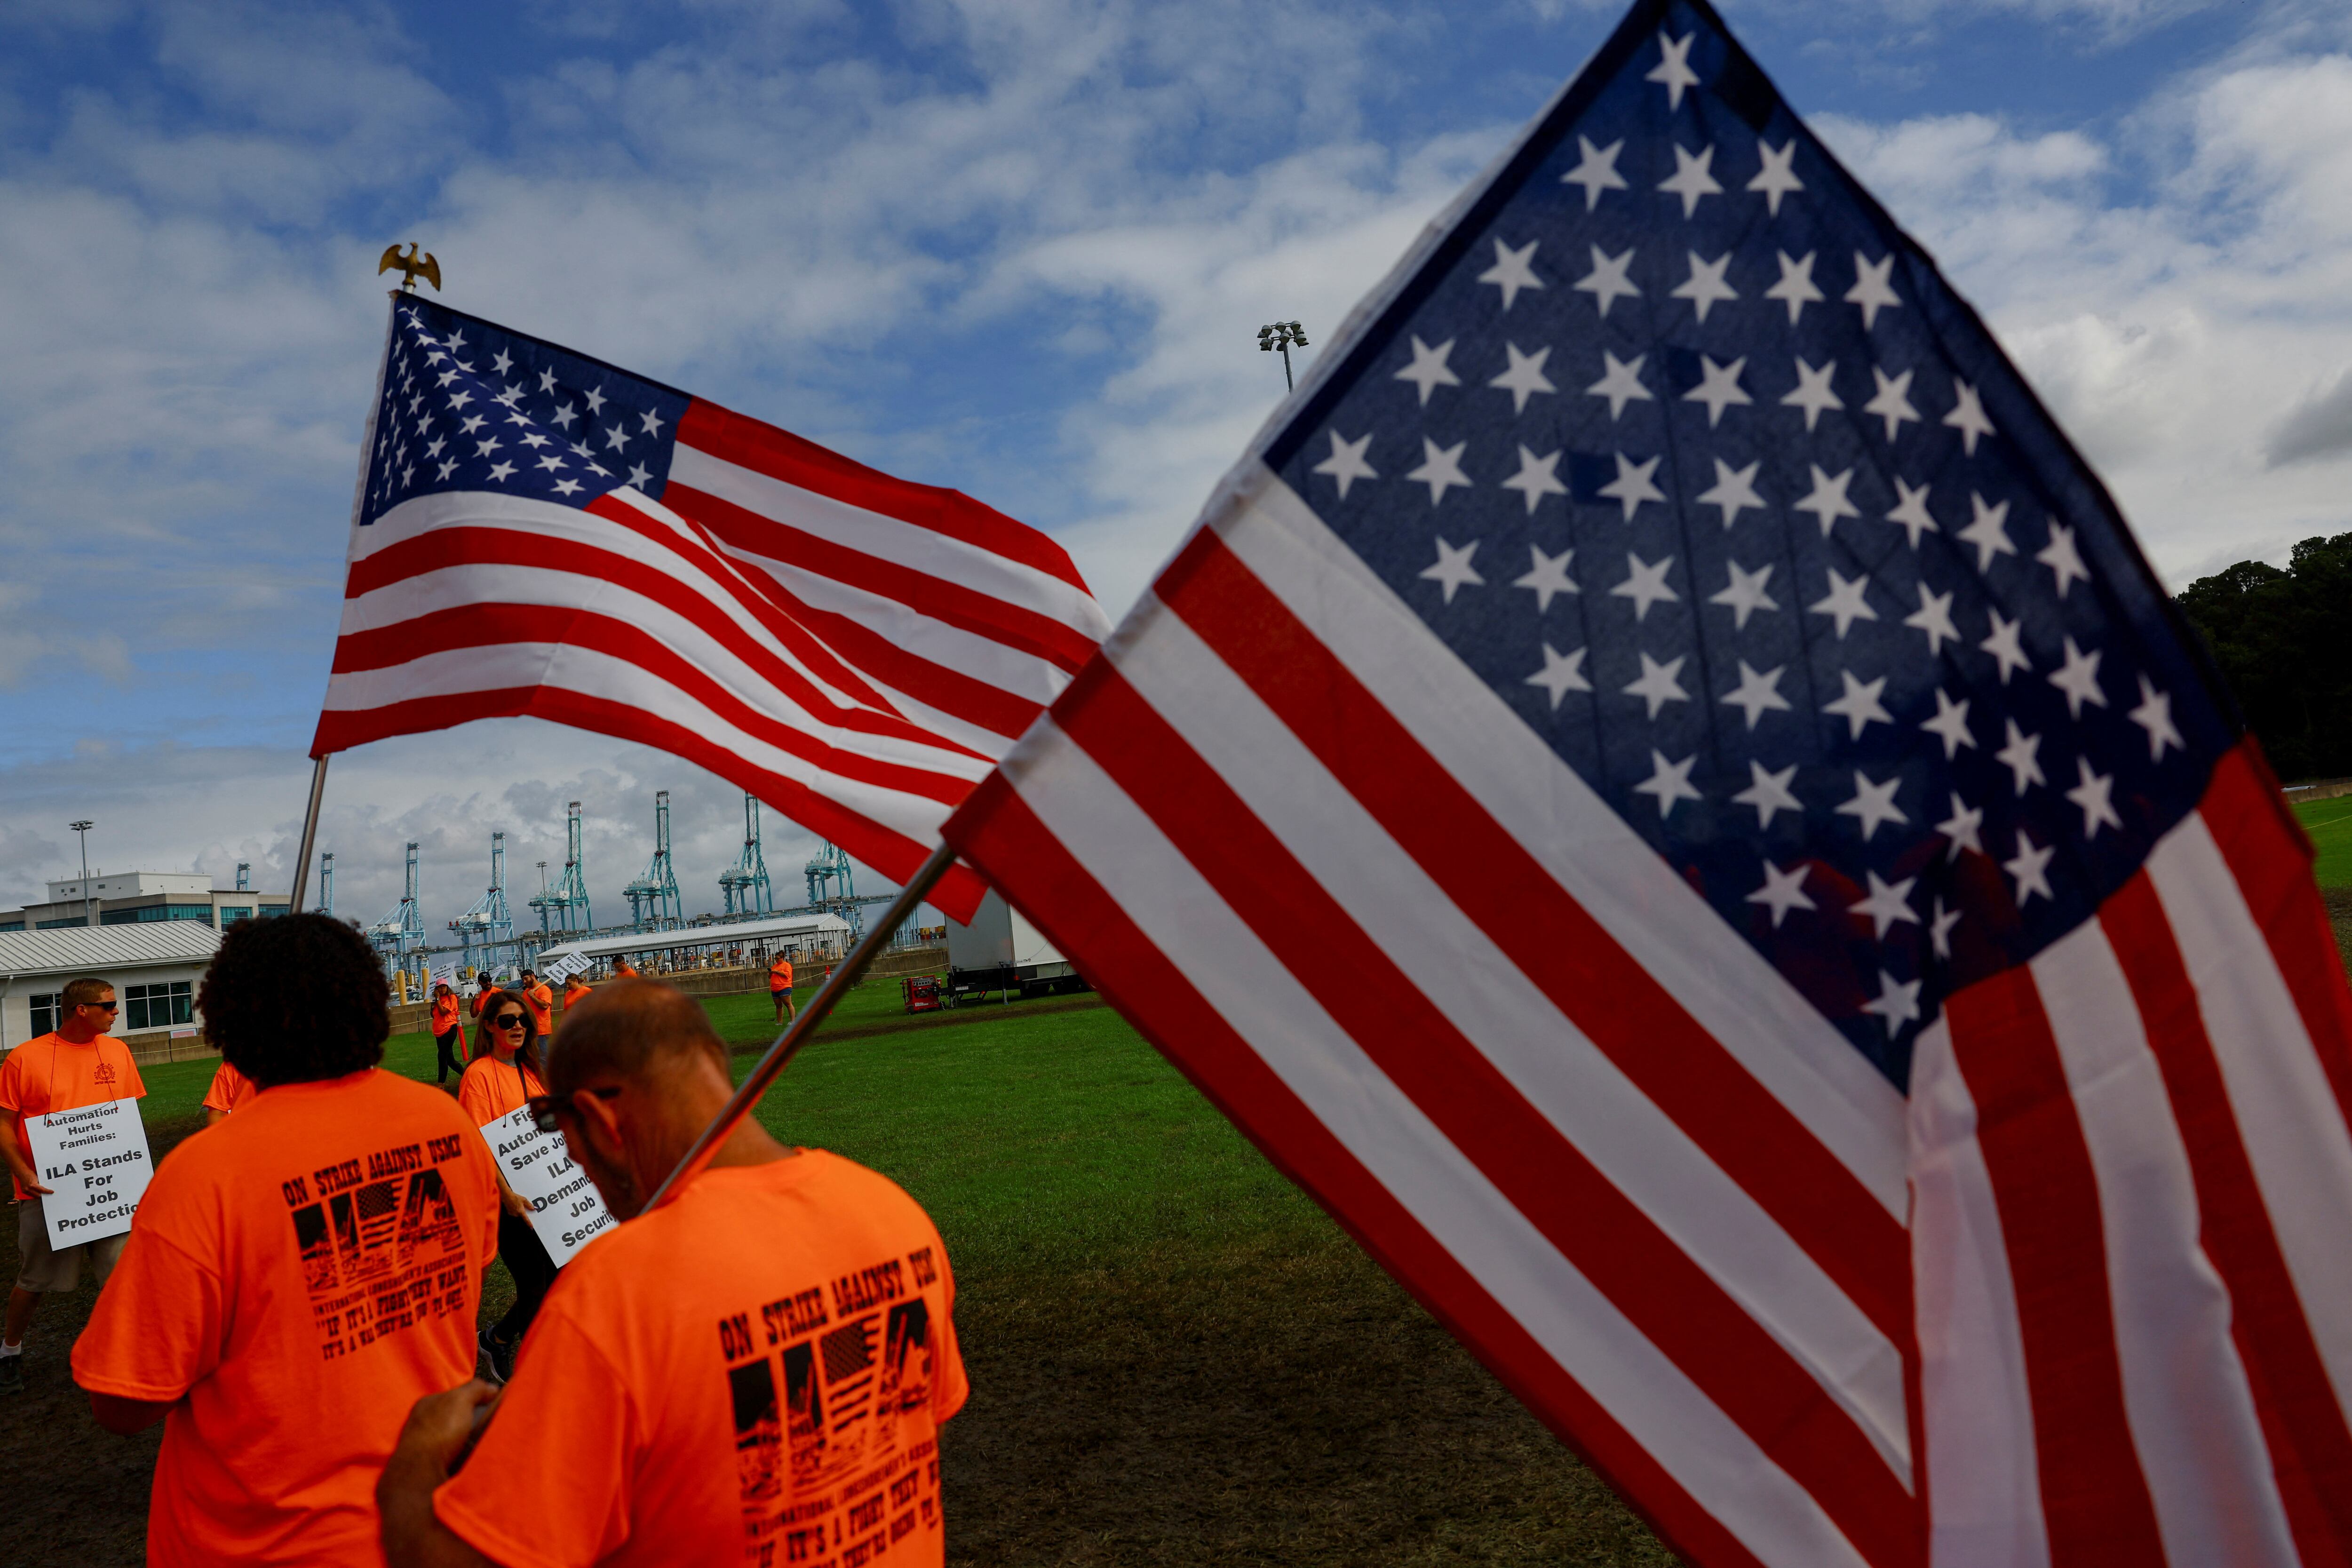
(828, 865)
(489, 924)
(744, 885)
(400, 935)
(654, 903)
(566, 908)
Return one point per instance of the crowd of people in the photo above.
(755, 1371)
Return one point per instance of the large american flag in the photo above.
(538, 532)
(1665, 793)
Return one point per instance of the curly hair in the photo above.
(295, 998)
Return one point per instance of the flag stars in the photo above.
(1911, 512)
(1346, 464)
(1778, 179)
(1537, 477)
(1887, 905)
(1632, 484)
(504, 362)
(1844, 604)
(1561, 674)
(1988, 530)
(1692, 179)
(1745, 593)
(563, 416)
(2060, 556)
(2154, 715)
(595, 401)
(1770, 793)
(1719, 388)
(1705, 287)
(1860, 706)
(639, 475)
(1429, 371)
(1596, 173)
(1796, 289)
(568, 487)
(2093, 796)
(1897, 1003)
(1453, 569)
(2003, 646)
(2030, 868)
(1757, 693)
(502, 471)
(1892, 400)
(484, 447)
(1940, 928)
(1963, 828)
(1668, 782)
(1734, 491)
(1950, 725)
(1441, 468)
(1827, 501)
(2078, 677)
(551, 462)
(1658, 684)
(616, 438)
(1607, 282)
(1873, 805)
(1547, 578)
(2021, 756)
(1783, 890)
(1812, 393)
(1645, 584)
(652, 422)
(1524, 377)
(1673, 70)
(1968, 416)
(1872, 290)
(1933, 617)
(1620, 383)
(547, 382)
(1512, 272)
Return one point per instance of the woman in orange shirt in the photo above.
(506, 1072)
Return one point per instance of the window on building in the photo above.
(12, 925)
(146, 912)
(56, 925)
(45, 1012)
(160, 1006)
(232, 914)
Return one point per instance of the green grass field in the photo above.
(2329, 823)
(1175, 1356)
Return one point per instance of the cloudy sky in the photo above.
(1021, 247)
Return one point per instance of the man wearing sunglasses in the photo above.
(76, 1064)
(755, 1371)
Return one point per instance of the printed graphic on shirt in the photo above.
(835, 1458)
(383, 1248)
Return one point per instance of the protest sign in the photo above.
(94, 1161)
(565, 1210)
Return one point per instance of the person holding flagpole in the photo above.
(500, 1079)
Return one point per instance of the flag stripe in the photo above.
(730, 437)
(1153, 992)
(1579, 842)
(1485, 868)
(2194, 1427)
(2094, 1499)
(1576, 1326)
(1515, 1023)
(2312, 1446)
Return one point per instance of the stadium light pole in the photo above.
(1285, 336)
(89, 904)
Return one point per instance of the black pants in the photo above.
(445, 1042)
(533, 1272)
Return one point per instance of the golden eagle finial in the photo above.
(411, 266)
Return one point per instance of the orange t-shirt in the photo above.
(489, 1089)
(474, 1004)
(230, 1089)
(445, 1014)
(804, 1431)
(576, 991)
(779, 975)
(541, 1000)
(49, 1073)
(301, 1274)
(623, 969)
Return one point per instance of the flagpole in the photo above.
(796, 1033)
(309, 833)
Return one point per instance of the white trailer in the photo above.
(1001, 950)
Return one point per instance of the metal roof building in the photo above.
(804, 932)
(153, 968)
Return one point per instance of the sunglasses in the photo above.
(508, 1021)
(546, 1108)
(103, 1006)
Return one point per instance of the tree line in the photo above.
(2282, 637)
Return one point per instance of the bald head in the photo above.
(632, 1030)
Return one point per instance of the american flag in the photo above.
(539, 532)
(1664, 792)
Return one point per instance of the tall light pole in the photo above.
(89, 904)
(1286, 336)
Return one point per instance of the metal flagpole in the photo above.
(309, 833)
(797, 1032)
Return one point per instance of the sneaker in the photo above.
(486, 1359)
(12, 1374)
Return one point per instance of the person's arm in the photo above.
(18, 1166)
(128, 1417)
(214, 1116)
(430, 1448)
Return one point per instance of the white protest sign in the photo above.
(561, 966)
(565, 1210)
(447, 975)
(94, 1161)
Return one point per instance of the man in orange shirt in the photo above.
(576, 990)
(833, 1363)
(445, 1037)
(230, 1089)
(623, 969)
(780, 986)
(539, 997)
(298, 1276)
(76, 1064)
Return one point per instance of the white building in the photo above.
(140, 898)
(153, 967)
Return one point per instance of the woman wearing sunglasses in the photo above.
(505, 1073)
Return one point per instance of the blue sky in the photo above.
(1021, 248)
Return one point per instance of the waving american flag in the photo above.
(540, 532)
(1664, 792)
